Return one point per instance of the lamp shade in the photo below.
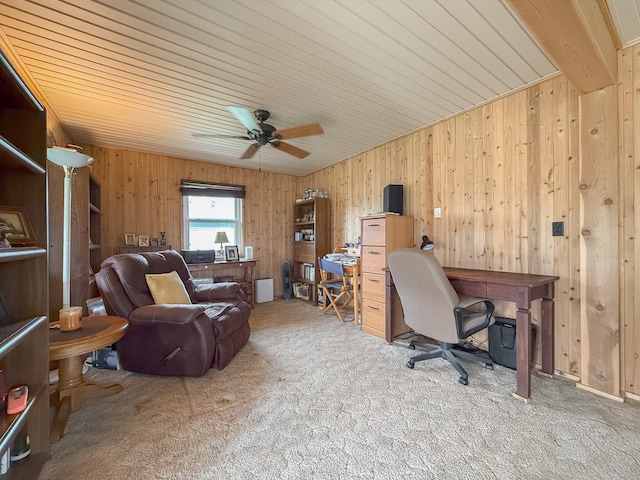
(221, 237)
(427, 244)
(68, 157)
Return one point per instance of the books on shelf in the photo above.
(308, 271)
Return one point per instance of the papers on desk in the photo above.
(341, 258)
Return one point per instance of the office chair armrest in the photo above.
(470, 321)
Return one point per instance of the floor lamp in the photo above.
(69, 159)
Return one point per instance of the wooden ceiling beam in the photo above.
(575, 35)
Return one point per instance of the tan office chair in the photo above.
(433, 308)
(336, 286)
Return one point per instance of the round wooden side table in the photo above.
(70, 349)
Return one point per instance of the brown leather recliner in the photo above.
(180, 340)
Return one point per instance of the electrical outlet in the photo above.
(557, 229)
(437, 212)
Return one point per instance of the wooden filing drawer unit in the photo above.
(381, 235)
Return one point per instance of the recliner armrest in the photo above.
(470, 321)
(219, 291)
(165, 313)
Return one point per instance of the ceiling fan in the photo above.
(262, 133)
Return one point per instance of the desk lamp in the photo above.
(221, 237)
(69, 158)
(426, 243)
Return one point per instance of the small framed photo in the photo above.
(15, 226)
(130, 239)
(154, 241)
(231, 253)
(143, 240)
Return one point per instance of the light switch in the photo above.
(437, 212)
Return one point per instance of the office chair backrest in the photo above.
(427, 297)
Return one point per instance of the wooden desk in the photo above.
(248, 281)
(70, 348)
(519, 288)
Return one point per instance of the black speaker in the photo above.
(393, 199)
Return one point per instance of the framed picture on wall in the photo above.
(231, 253)
(15, 226)
(143, 240)
(130, 239)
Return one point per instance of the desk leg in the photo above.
(523, 354)
(548, 333)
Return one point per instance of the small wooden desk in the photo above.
(70, 348)
(520, 288)
(205, 270)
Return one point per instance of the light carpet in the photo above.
(310, 397)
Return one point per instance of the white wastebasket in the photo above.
(264, 290)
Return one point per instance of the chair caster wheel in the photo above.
(410, 364)
(489, 366)
(412, 346)
(463, 381)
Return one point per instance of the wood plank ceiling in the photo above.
(146, 75)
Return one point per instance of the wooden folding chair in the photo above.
(336, 286)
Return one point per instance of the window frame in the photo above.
(213, 190)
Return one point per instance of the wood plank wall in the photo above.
(501, 173)
(140, 195)
(629, 215)
(600, 335)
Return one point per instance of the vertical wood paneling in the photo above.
(140, 195)
(629, 67)
(493, 173)
(533, 178)
(600, 336)
(569, 345)
(501, 174)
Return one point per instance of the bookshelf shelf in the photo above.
(311, 239)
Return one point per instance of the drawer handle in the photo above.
(373, 225)
(372, 280)
(374, 253)
(373, 308)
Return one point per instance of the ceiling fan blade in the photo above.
(286, 147)
(213, 135)
(301, 131)
(250, 152)
(245, 117)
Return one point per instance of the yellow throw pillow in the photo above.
(167, 288)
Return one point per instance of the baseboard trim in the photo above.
(598, 392)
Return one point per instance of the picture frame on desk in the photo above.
(143, 240)
(231, 253)
(130, 239)
(15, 225)
(154, 241)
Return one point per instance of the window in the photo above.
(209, 209)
